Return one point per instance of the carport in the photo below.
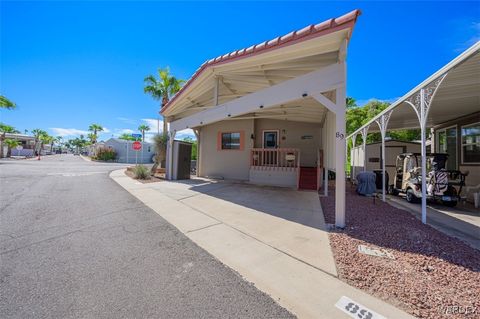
(447, 95)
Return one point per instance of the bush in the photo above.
(141, 172)
(106, 154)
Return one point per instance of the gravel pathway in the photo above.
(431, 271)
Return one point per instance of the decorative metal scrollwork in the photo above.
(428, 92)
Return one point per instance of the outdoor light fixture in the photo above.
(201, 123)
(252, 136)
(304, 94)
(261, 106)
(229, 115)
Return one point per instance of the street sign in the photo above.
(137, 146)
(136, 135)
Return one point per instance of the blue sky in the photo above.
(69, 64)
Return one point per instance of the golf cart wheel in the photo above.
(393, 191)
(410, 196)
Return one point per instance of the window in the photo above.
(231, 141)
(447, 143)
(471, 143)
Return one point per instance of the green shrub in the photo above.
(106, 154)
(141, 172)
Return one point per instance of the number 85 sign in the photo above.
(356, 310)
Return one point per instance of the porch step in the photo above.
(308, 178)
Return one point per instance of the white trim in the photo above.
(461, 144)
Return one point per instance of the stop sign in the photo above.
(137, 146)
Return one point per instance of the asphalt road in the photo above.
(74, 244)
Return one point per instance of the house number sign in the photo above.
(356, 310)
(340, 135)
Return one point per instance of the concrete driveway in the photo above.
(274, 237)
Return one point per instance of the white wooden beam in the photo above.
(326, 79)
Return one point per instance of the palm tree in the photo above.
(4, 129)
(95, 128)
(39, 136)
(6, 103)
(11, 144)
(54, 140)
(143, 128)
(162, 88)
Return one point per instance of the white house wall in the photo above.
(228, 164)
(374, 151)
(304, 136)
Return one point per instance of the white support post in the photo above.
(340, 146)
(423, 122)
(364, 147)
(171, 139)
(382, 123)
(197, 135)
(325, 181)
(353, 157)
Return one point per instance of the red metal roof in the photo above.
(312, 31)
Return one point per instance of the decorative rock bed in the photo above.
(430, 274)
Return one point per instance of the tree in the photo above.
(95, 128)
(127, 137)
(194, 146)
(39, 137)
(160, 146)
(11, 143)
(6, 103)
(143, 128)
(92, 137)
(162, 89)
(4, 129)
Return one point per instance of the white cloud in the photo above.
(105, 130)
(155, 125)
(124, 131)
(68, 131)
(363, 102)
(185, 133)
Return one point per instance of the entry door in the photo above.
(270, 142)
(270, 139)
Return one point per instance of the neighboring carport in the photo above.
(450, 93)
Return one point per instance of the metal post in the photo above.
(364, 147)
(353, 157)
(383, 132)
(423, 121)
(325, 181)
(127, 152)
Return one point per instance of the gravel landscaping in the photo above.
(430, 273)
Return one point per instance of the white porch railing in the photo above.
(275, 158)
